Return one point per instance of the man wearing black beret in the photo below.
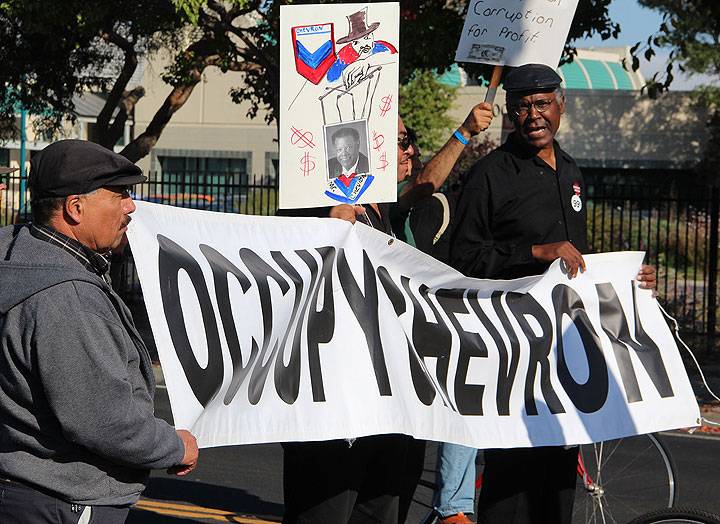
(78, 435)
(524, 206)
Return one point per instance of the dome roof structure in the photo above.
(591, 69)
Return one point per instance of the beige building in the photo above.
(614, 130)
(609, 124)
(209, 133)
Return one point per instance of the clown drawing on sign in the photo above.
(352, 60)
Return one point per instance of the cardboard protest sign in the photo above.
(279, 329)
(514, 33)
(338, 104)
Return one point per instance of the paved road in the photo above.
(243, 484)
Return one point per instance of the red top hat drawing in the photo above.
(358, 28)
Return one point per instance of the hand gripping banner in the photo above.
(280, 329)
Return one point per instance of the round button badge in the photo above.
(576, 203)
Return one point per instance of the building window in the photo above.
(207, 175)
(272, 166)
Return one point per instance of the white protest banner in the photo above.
(338, 104)
(278, 329)
(513, 33)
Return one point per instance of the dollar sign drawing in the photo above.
(378, 140)
(383, 161)
(308, 164)
(385, 105)
(301, 139)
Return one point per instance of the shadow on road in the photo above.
(211, 496)
(146, 517)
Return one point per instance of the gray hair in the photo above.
(44, 209)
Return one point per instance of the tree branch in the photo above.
(259, 56)
(242, 67)
(105, 137)
(142, 145)
(127, 104)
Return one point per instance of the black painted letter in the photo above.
(590, 396)
(615, 325)
(522, 304)
(205, 383)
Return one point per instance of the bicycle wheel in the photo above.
(619, 480)
(678, 516)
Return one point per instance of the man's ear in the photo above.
(73, 208)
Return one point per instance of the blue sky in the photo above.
(637, 23)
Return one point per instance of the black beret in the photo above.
(76, 167)
(531, 78)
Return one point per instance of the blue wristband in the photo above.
(460, 138)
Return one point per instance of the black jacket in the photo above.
(511, 201)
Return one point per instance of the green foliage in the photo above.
(50, 49)
(191, 8)
(690, 30)
(429, 32)
(53, 50)
(424, 103)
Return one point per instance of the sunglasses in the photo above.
(404, 142)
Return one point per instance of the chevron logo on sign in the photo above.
(314, 48)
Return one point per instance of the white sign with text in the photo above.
(517, 32)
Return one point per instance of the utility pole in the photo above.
(23, 156)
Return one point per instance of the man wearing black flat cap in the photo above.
(523, 206)
(78, 436)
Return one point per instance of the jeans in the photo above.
(455, 480)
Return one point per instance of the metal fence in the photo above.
(223, 192)
(677, 227)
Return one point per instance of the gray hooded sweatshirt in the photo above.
(76, 381)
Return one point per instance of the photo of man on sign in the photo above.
(345, 145)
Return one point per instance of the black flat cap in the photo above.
(76, 167)
(530, 78)
(6, 170)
